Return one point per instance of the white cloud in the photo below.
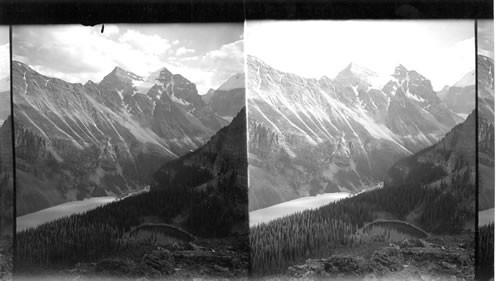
(184, 51)
(175, 42)
(78, 54)
(111, 30)
(4, 60)
(151, 44)
(213, 68)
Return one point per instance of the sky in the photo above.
(4, 52)
(443, 51)
(206, 54)
(485, 38)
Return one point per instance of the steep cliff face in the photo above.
(309, 136)
(75, 141)
(486, 131)
(218, 168)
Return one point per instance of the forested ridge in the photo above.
(201, 192)
(313, 233)
(84, 237)
(6, 179)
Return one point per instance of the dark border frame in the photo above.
(92, 12)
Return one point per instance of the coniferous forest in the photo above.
(313, 233)
(486, 252)
(85, 237)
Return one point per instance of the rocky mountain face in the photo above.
(75, 141)
(218, 168)
(460, 98)
(309, 136)
(486, 131)
(229, 98)
(6, 179)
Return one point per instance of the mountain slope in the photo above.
(229, 98)
(75, 141)
(6, 179)
(460, 97)
(447, 166)
(218, 168)
(309, 136)
(486, 141)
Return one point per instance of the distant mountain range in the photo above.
(229, 98)
(309, 136)
(75, 141)
(460, 98)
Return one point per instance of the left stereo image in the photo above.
(6, 160)
(130, 148)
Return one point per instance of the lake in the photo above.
(297, 205)
(59, 211)
(486, 216)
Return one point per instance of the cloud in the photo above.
(184, 51)
(75, 53)
(213, 68)
(111, 30)
(78, 54)
(4, 60)
(150, 44)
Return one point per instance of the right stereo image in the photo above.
(362, 149)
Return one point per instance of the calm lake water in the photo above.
(486, 216)
(59, 211)
(297, 205)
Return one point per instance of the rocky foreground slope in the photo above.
(436, 258)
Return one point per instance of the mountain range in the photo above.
(75, 141)
(486, 131)
(460, 98)
(229, 98)
(309, 136)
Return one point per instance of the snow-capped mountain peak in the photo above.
(356, 74)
